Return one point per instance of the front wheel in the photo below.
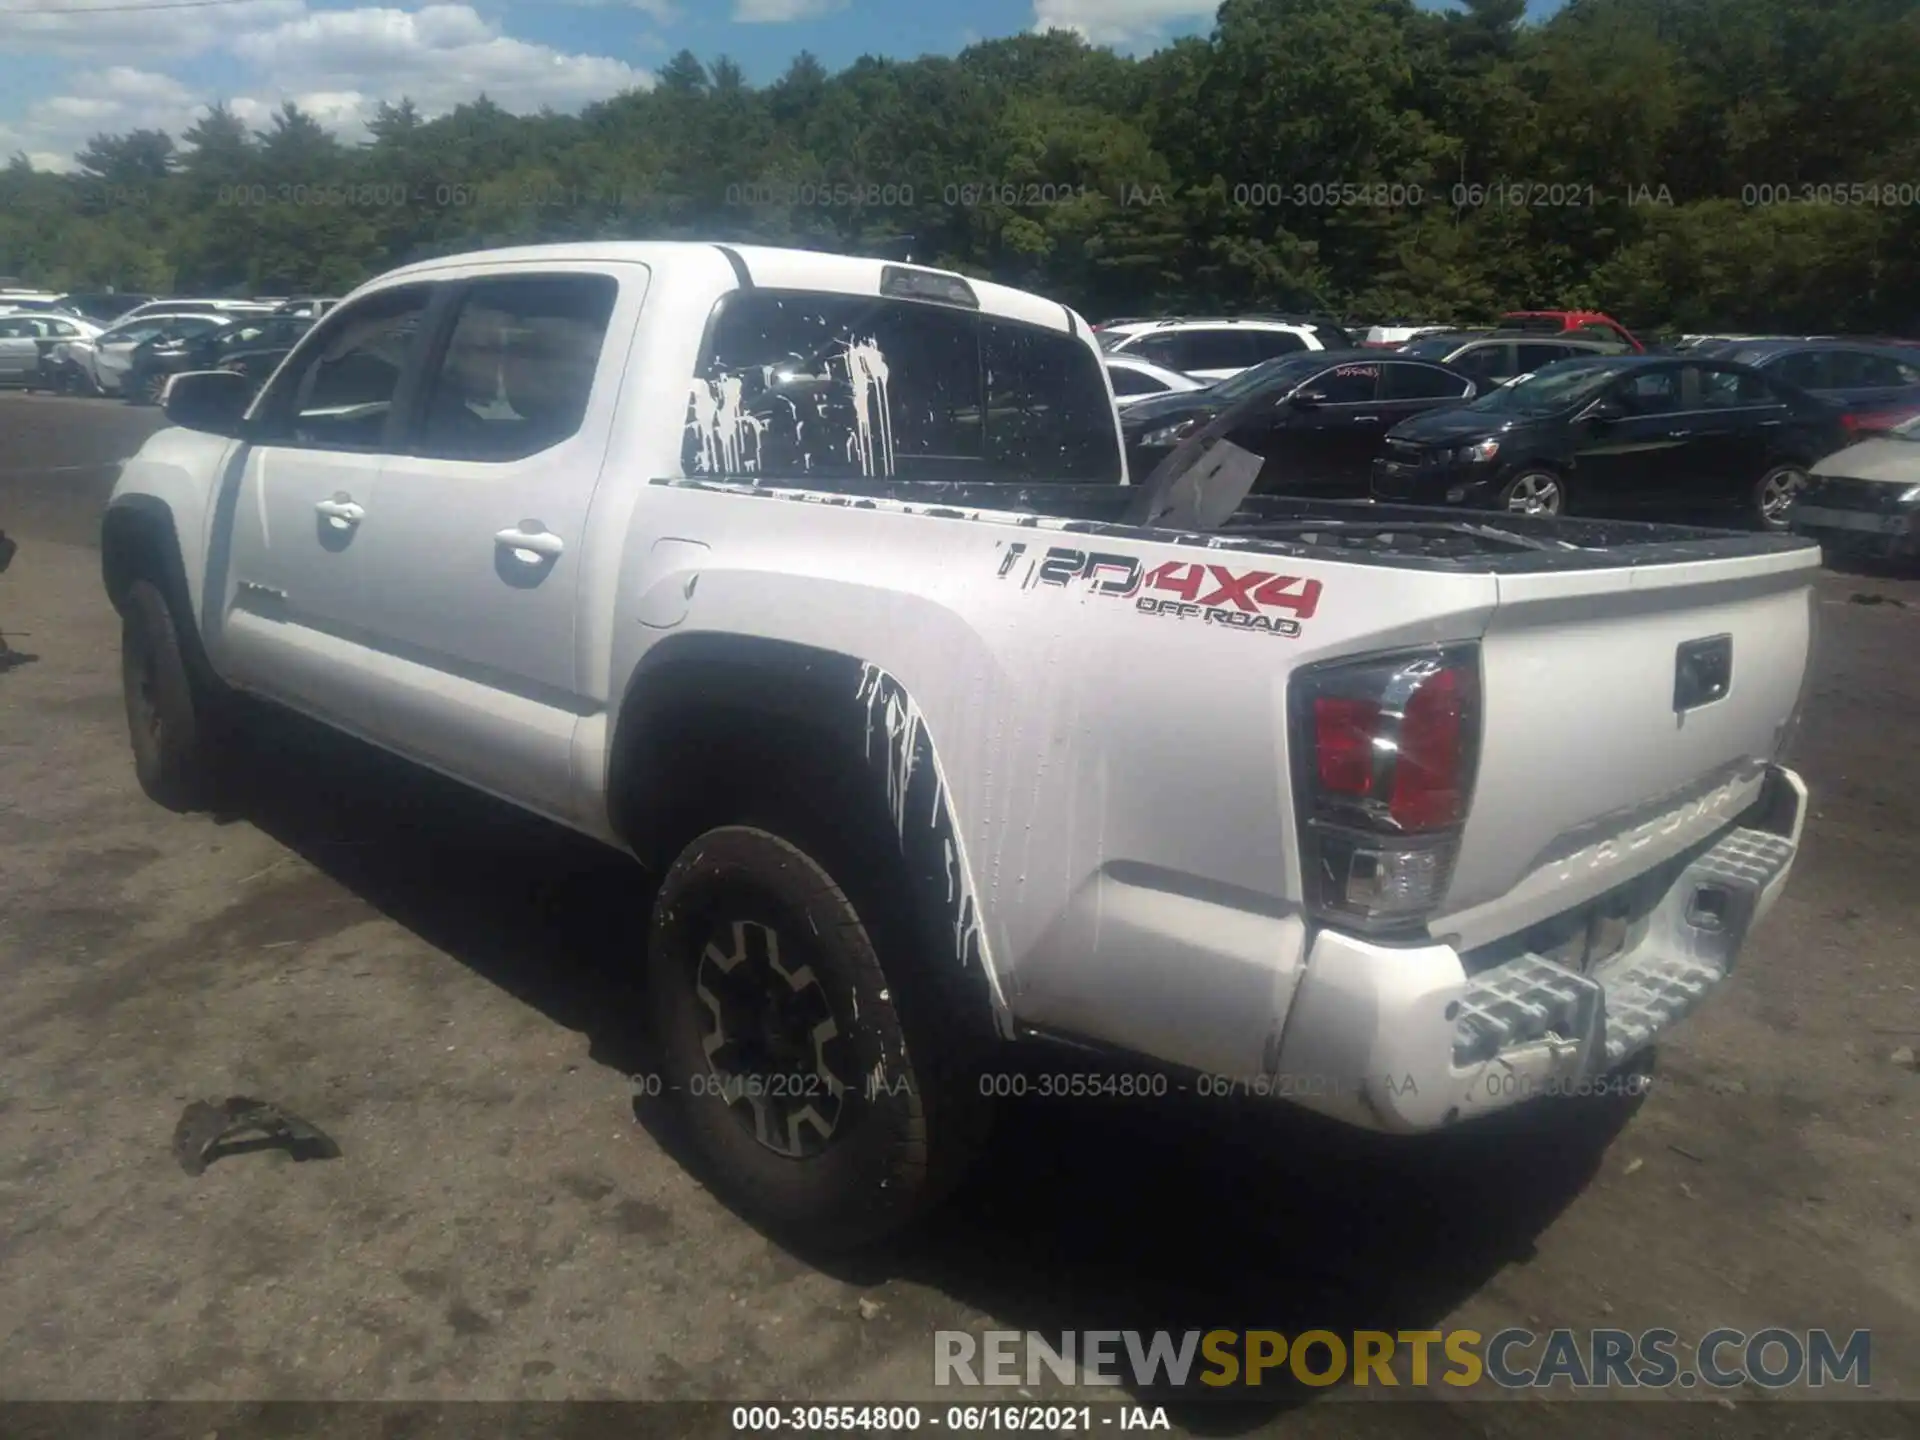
(1773, 496)
(1534, 492)
(783, 1045)
(170, 719)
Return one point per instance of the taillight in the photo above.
(1385, 752)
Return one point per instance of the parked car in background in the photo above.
(101, 307)
(1589, 324)
(1135, 380)
(1617, 435)
(1329, 417)
(1876, 386)
(26, 340)
(1216, 349)
(1497, 357)
(307, 307)
(106, 357)
(197, 307)
(1392, 337)
(1865, 499)
(252, 347)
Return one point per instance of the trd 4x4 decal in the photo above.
(1260, 600)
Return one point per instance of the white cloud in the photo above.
(338, 65)
(62, 27)
(111, 101)
(782, 12)
(1118, 22)
(438, 56)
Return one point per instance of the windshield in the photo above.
(1558, 386)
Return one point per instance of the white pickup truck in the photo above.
(818, 584)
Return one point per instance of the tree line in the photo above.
(1681, 164)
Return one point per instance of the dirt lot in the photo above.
(447, 990)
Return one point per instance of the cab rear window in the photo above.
(806, 386)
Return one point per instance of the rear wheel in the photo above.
(785, 1047)
(1534, 492)
(170, 713)
(1773, 496)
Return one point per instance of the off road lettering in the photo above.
(1216, 594)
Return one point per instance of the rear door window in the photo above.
(799, 385)
(1402, 380)
(1221, 350)
(519, 367)
(1809, 369)
(1353, 384)
(1733, 390)
(1488, 362)
(1269, 344)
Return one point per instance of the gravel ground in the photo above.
(447, 989)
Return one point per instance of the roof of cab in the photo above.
(767, 266)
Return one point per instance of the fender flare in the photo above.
(866, 715)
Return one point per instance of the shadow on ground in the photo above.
(1172, 1214)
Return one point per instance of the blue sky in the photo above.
(66, 74)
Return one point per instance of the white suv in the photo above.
(1215, 349)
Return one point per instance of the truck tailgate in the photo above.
(1590, 771)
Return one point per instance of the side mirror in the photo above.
(1306, 399)
(1605, 411)
(211, 400)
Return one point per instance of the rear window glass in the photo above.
(797, 385)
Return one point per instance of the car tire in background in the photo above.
(782, 1044)
(1535, 491)
(1773, 494)
(171, 719)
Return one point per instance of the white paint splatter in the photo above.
(905, 727)
(871, 444)
(723, 425)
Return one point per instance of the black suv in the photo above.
(1328, 415)
(1617, 435)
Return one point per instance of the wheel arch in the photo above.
(706, 717)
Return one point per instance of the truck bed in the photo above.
(1353, 531)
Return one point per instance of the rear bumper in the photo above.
(1414, 1039)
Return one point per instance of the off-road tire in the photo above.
(171, 713)
(899, 1143)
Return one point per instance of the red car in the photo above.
(1571, 322)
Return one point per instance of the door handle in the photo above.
(341, 510)
(1678, 434)
(530, 543)
(1365, 419)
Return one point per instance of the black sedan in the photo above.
(1608, 435)
(1876, 386)
(1328, 419)
(253, 347)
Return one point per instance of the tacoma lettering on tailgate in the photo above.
(1261, 600)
